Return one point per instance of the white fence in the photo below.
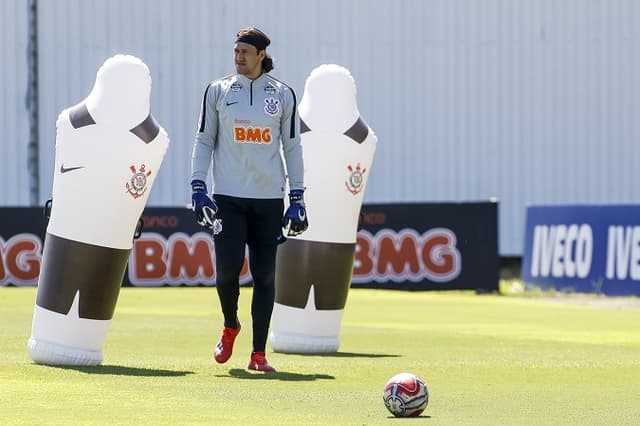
(531, 101)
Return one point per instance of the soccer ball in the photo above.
(405, 395)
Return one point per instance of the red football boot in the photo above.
(259, 362)
(224, 348)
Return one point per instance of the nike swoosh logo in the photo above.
(231, 103)
(64, 169)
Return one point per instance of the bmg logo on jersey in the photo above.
(242, 134)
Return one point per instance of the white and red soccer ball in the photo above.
(405, 395)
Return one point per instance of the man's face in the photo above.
(247, 59)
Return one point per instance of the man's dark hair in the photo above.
(257, 38)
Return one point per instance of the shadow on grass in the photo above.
(351, 355)
(238, 373)
(118, 370)
(409, 418)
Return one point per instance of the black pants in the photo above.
(255, 223)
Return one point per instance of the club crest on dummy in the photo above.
(137, 185)
(355, 181)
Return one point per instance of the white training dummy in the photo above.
(109, 150)
(314, 270)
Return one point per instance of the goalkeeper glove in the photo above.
(203, 206)
(295, 218)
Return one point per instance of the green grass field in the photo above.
(487, 359)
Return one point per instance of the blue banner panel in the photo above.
(583, 248)
(435, 246)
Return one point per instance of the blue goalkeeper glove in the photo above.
(295, 218)
(203, 206)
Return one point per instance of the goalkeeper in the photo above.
(246, 120)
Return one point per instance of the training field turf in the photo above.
(487, 360)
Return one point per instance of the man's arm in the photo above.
(290, 134)
(204, 142)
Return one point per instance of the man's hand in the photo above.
(203, 206)
(295, 218)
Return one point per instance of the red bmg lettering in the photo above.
(398, 256)
(20, 259)
(252, 134)
(181, 259)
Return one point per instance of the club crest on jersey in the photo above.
(137, 185)
(356, 179)
(269, 89)
(235, 87)
(271, 106)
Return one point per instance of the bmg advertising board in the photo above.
(441, 246)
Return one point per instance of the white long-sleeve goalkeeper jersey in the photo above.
(244, 126)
